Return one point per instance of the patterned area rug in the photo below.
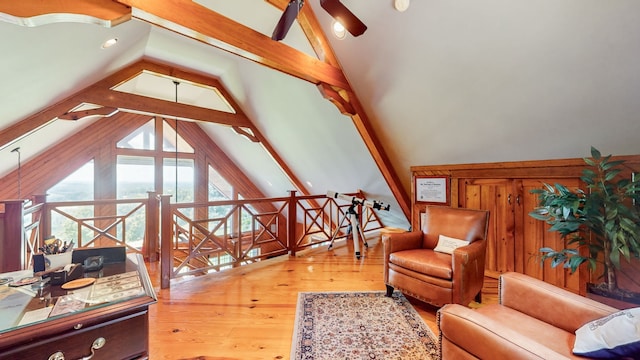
(360, 325)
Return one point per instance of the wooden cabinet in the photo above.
(514, 237)
(112, 326)
(505, 190)
(123, 337)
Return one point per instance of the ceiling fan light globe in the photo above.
(339, 30)
(401, 5)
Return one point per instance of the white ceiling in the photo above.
(444, 82)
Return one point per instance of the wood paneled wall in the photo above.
(514, 237)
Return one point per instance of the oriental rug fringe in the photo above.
(360, 325)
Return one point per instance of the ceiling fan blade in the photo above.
(286, 20)
(345, 17)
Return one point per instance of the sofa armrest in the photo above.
(398, 242)
(485, 337)
(549, 303)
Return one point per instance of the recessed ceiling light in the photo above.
(109, 43)
(338, 30)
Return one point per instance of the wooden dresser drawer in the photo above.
(123, 338)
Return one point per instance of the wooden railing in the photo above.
(97, 223)
(199, 237)
(328, 219)
(246, 231)
(101, 222)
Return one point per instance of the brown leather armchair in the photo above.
(413, 267)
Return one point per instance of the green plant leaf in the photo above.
(615, 258)
(612, 174)
(599, 219)
(589, 173)
(611, 164)
(575, 262)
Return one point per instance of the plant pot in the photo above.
(618, 298)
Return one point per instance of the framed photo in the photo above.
(432, 189)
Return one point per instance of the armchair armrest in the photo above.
(399, 242)
(468, 271)
(549, 303)
(402, 241)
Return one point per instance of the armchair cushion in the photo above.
(448, 244)
(423, 261)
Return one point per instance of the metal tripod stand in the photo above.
(352, 216)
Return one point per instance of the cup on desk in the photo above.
(57, 260)
(44, 262)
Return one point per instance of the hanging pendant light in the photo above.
(176, 83)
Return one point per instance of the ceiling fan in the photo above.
(286, 20)
(334, 7)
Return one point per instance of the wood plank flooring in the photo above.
(248, 312)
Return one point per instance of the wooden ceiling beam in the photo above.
(348, 104)
(151, 106)
(19, 130)
(376, 149)
(40, 12)
(313, 31)
(337, 99)
(144, 64)
(103, 111)
(101, 94)
(188, 18)
(103, 91)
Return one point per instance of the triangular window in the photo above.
(78, 186)
(170, 139)
(219, 187)
(143, 138)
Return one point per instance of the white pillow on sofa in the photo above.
(448, 244)
(611, 337)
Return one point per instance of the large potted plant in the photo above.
(600, 224)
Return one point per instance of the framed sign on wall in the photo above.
(432, 189)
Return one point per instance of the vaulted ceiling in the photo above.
(443, 82)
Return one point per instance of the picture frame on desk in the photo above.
(432, 190)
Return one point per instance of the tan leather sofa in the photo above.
(533, 320)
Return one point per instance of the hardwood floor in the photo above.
(248, 312)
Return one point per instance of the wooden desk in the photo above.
(111, 327)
